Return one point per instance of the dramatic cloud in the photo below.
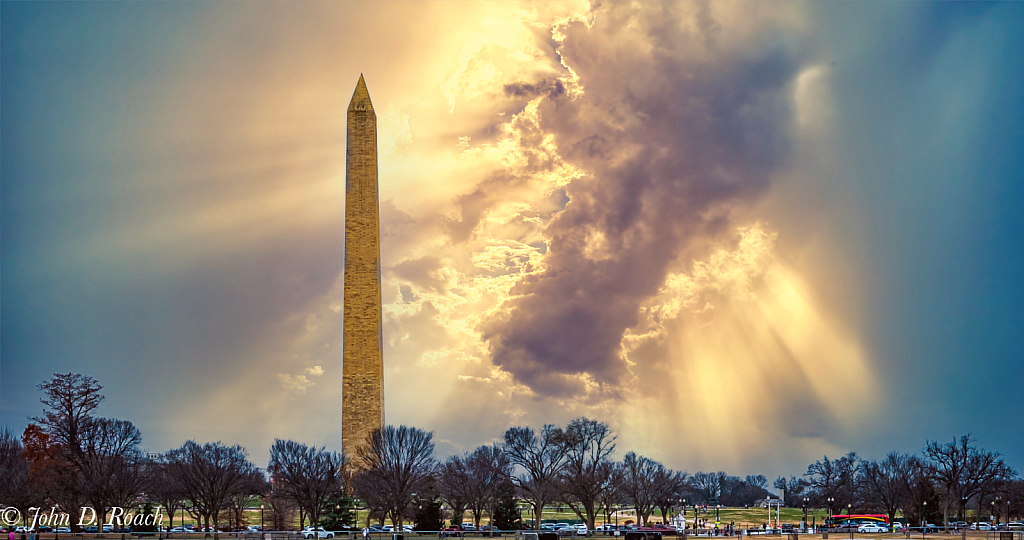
(671, 128)
(734, 221)
(604, 202)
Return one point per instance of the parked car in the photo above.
(467, 526)
(582, 530)
(63, 530)
(871, 528)
(308, 533)
(1015, 526)
(981, 526)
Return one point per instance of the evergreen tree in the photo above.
(339, 513)
(506, 515)
(428, 515)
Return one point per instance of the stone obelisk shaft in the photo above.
(362, 401)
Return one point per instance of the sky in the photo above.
(745, 235)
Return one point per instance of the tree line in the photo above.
(70, 457)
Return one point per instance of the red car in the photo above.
(665, 530)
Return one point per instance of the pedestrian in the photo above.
(11, 537)
(366, 533)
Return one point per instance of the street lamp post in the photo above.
(261, 519)
(803, 524)
(924, 516)
(849, 512)
(682, 510)
(830, 501)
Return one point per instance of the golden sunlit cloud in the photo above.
(749, 353)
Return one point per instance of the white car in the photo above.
(581, 529)
(320, 533)
(982, 526)
(871, 528)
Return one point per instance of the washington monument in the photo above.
(362, 380)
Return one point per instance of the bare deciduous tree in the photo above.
(835, 479)
(589, 444)
(164, 489)
(884, 484)
(613, 493)
(113, 470)
(238, 503)
(963, 470)
(70, 400)
(210, 475)
(87, 458)
(280, 511)
(668, 489)
(453, 485)
(639, 475)
(396, 462)
(308, 475)
(16, 486)
(541, 456)
(708, 486)
(490, 477)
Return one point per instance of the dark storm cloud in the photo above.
(673, 127)
(550, 88)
